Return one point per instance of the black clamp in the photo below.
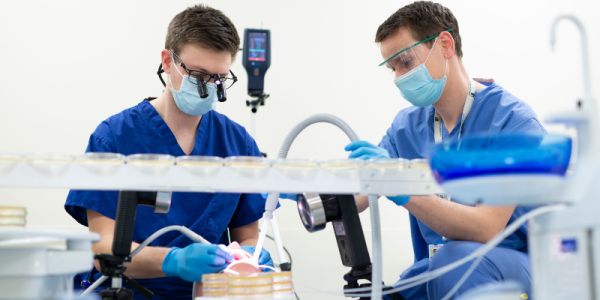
(259, 100)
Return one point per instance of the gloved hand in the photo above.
(191, 262)
(399, 200)
(263, 259)
(365, 150)
(293, 197)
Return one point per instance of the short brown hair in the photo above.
(423, 19)
(203, 26)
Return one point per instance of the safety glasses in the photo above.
(406, 58)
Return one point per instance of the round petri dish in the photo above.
(215, 285)
(248, 166)
(102, 163)
(13, 216)
(215, 279)
(8, 162)
(283, 287)
(51, 164)
(285, 276)
(251, 280)
(342, 167)
(258, 285)
(296, 168)
(9, 221)
(151, 164)
(418, 163)
(387, 167)
(209, 293)
(200, 165)
(13, 211)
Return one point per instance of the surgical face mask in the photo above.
(418, 87)
(188, 99)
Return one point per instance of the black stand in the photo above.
(258, 100)
(113, 265)
(356, 274)
(364, 273)
(341, 211)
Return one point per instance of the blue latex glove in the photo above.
(191, 262)
(293, 197)
(400, 199)
(365, 150)
(263, 259)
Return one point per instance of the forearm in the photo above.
(246, 235)
(459, 222)
(248, 242)
(146, 264)
(362, 202)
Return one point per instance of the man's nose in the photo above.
(399, 73)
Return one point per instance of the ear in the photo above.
(446, 41)
(165, 58)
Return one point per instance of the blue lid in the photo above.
(501, 154)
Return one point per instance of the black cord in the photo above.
(287, 253)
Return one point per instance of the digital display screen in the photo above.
(258, 46)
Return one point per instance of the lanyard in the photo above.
(437, 134)
(437, 119)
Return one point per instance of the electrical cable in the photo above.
(186, 231)
(427, 276)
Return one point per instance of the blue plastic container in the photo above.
(501, 154)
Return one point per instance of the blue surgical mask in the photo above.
(419, 88)
(188, 99)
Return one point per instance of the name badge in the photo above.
(433, 248)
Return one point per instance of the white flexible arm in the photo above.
(273, 198)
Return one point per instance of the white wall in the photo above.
(67, 65)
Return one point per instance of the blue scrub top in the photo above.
(141, 129)
(494, 110)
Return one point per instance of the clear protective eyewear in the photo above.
(407, 58)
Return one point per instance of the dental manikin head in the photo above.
(243, 263)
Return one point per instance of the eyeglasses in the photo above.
(200, 79)
(197, 77)
(408, 61)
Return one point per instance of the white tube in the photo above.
(186, 231)
(273, 198)
(585, 60)
(95, 285)
(278, 241)
(261, 238)
(377, 267)
(464, 278)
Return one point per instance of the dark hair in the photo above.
(422, 19)
(203, 26)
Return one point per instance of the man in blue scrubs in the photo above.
(200, 46)
(421, 45)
